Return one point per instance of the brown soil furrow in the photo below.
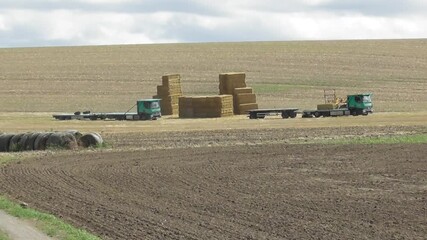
(270, 191)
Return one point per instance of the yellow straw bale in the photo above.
(243, 90)
(245, 98)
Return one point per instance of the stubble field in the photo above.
(283, 74)
(229, 178)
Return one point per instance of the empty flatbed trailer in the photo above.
(284, 112)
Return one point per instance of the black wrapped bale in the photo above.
(14, 144)
(91, 140)
(4, 142)
(61, 140)
(40, 141)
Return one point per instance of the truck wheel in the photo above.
(317, 114)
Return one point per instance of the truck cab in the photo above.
(148, 109)
(360, 104)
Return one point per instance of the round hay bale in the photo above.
(91, 140)
(23, 141)
(29, 146)
(40, 142)
(4, 142)
(61, 140)
(14, 145)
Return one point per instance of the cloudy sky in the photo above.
(26, 23)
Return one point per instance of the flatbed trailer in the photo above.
(147, 109)
(326, 113)
(284, 112)
(103, 116)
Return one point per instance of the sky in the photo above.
(38, 23)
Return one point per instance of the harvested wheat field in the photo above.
(224, 178)
(282, 74)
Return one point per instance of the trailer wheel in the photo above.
(306, 115)
(285, 114)
(293, 114)
(317, 114)
(252, 116)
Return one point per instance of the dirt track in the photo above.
(270, 191)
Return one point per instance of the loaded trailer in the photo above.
(147, 109)
(358, 104)
(284, 112)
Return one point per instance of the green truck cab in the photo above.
(360, 104)
(148, 109)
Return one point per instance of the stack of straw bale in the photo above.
(243, 97)
(206, 106)
(327, 106)
(169, 93)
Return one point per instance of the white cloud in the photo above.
(80, 23)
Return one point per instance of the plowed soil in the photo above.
(268, 191)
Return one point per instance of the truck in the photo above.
(147, 109)
(356, 104)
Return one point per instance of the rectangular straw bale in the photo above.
(199, 101)
(243, 90)
(222, 86)
(165, 91)
(226, 99)
(185, 101)
(327, 106)
(186, 113)
(171, 79)
(245, 98)
(229, 81)
(243, 108)
(171, 99)
(168, 110)
(233, 76)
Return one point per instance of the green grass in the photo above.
(49, 224)
(409, 139)
(3, 236)
(6, 159)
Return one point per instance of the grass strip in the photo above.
(48, 223)
(3, 236)
(6, 159)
